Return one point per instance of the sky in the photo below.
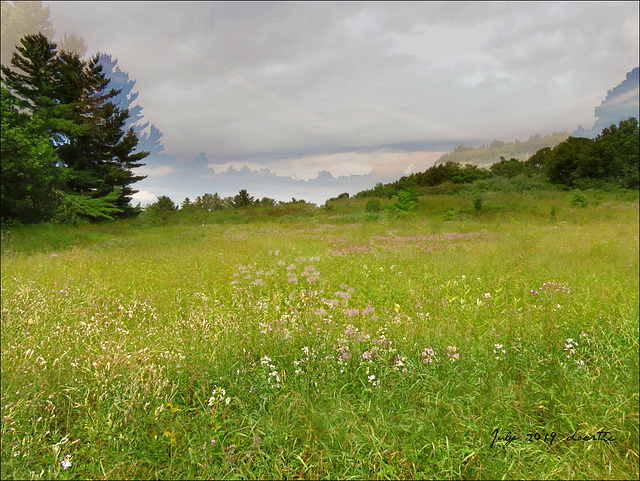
(312, 99)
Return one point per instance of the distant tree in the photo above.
(163, 204)
(571, 160)
(209, 202)
(187, 205)
(618, 150)
(536, 162)
(242, 199)
(507, 168)
(266, 201)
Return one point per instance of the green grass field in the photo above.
(450, 343)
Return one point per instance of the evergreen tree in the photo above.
(94, 149)
(242, 199)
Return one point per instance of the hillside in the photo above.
(486, 155)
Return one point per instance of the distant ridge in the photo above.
(487, 155)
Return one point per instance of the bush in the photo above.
(579, 199)
(406, 201)
(373, 205)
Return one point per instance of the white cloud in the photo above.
(144, 197)
(249, 81)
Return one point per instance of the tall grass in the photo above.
(336, 346)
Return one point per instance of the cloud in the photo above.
(144, 197)
(292, 86)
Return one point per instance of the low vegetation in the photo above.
(476, 335)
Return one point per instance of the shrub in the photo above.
(373, 205)
(579, 199)
(406, 201)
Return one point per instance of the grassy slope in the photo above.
(117, 340)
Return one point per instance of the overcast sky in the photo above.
(371, 89)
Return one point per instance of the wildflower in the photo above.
(368, 355)
(65, 463)
(570, 346)
(218, 395)
(486, 296)
(428, 355)
(452, 353)
(350, 331)
(343, 354)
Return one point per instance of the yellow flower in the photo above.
(397, 307)
(169, 434)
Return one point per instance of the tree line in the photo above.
(212, 202)
(609, 159)
(67, 155)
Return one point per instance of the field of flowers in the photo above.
(334, 347)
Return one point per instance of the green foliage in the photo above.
(618, 149)
(579, 199)
(609, 160)
(450, 215)
(508, 168)
(210, 202)
(29, 172)
(243, 199)
(478, 203)
(78, 208)
(486, 155)
(164, 204)
(405, 203)
(373, 205)
(69, 106)
(344, 195)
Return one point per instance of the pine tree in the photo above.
(95, 151)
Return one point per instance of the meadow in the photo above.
(464, 340)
